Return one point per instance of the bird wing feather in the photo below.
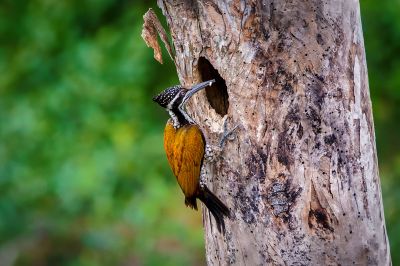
(185, 150)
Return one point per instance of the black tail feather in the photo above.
(217, 208)
(191, 202)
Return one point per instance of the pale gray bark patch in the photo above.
(301, 175)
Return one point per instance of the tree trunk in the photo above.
(300, 172)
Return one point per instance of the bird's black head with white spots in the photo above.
(174, 98)
(171, 97)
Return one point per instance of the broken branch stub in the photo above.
(151, 28)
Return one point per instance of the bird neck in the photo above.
(180, 118)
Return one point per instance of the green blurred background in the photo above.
(83, 176)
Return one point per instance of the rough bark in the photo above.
(300, 173)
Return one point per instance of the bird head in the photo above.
(175, 97)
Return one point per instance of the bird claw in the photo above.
(202, 178)
(227, 135)
(212, 152)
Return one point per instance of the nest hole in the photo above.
(217, 93)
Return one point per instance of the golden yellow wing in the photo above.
(185, 150)
(169, 136)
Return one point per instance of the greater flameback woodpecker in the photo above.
(184, 145)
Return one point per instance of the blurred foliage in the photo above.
(83, 176)
(381, 26)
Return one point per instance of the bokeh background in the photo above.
(83, 176)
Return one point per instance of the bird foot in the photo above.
(213, 152)
(227, 135)
(202, 177)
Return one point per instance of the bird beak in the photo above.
(195, 89)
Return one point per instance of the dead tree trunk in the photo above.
(301, 173)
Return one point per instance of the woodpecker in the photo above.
(185, 147)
